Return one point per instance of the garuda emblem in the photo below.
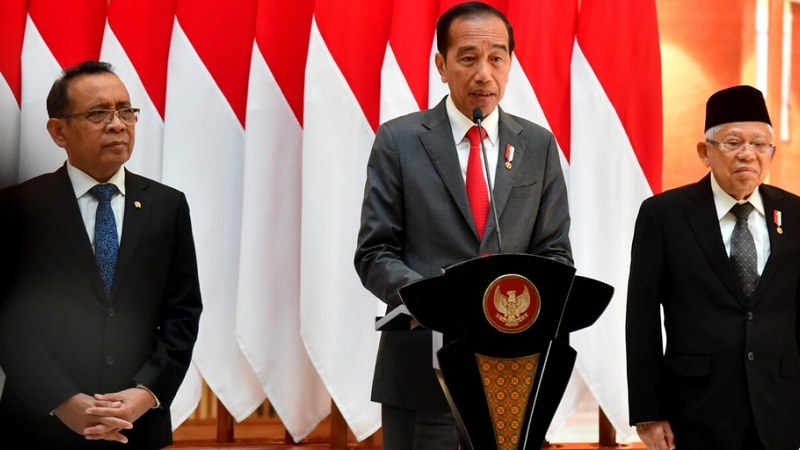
(511, 303)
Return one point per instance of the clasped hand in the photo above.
(104, 416)
(656, 435)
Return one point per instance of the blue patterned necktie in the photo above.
(743, 250)
(106, 242)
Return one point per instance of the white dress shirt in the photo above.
(460, 124)
(756, 221)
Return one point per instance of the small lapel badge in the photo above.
(509, 155)
(776, 217)
(137, 204)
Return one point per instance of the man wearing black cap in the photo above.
(722, 258)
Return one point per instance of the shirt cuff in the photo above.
(158, 403)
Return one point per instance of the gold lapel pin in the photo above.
(776, 217)
(509, 155)
(137, 204)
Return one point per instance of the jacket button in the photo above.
(110, 360)
(749, 315)
(751, 356)
(110, 312)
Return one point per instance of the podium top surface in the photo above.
(505, 301)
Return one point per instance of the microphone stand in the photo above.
(477, 117)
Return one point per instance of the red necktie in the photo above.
(477, 193)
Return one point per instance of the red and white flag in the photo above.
(58, 34)
(264, 117)
(615, 164)
(342, 109)
(206, 97)
(136, 42)
(539, 90)
(405, 75)
(12, 28)
(268, 307)
(539, 83)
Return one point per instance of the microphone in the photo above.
(477, 117)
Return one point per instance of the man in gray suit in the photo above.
(730, 375)
(417, 217)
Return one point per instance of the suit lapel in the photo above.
(773, 201)
(138, 205)
(509, 133)
(73, 225)
(701, 214)
(438, 143)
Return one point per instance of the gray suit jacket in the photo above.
(416, 220)
(726, 359)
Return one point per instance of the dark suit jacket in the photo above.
(59, 334)
(416, 220)
(726, 360)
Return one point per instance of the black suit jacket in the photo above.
(60, 336)
(416, 220)
(726, 359)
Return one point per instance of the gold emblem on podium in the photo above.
(511, 303)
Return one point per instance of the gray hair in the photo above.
(715, 129)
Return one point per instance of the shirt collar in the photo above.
(724, 202)
(82, 182)
(460, 124)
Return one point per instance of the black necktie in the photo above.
(744, 258)
(106, 242)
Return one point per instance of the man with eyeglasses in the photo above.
(99, 299)
(720, 259)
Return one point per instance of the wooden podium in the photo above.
(504, 363)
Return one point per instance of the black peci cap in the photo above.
(736, 104)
